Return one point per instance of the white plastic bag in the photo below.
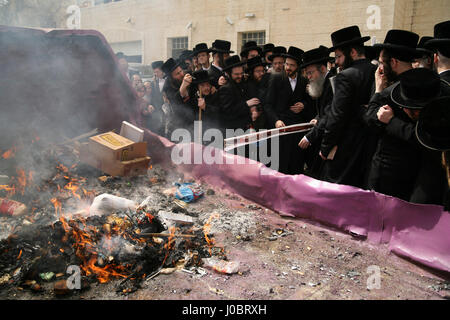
(107, 203)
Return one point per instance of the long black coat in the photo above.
(235, 113)
(183, 114)
(322, 105)
(279, 99)
(345, 128)
(397, 157)
(211, 117)
(431, 185)
(259, 90)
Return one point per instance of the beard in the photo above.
(315, 88)
(390, 75)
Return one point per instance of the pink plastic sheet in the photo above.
(413, 231)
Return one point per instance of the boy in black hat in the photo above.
(177, 89)
(277, 59)
(220, 50)
(287, 103)
(319, 88)
(201, 51)
(345, 136)
(234, 96)
(206, 99)
(441, 45)
(394, 113)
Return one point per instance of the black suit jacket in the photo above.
(445, 76)
(323, 105)
(345, 127)
(157, 95)
(235, 112)
(280, 98)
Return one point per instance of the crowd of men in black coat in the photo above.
(381, 113)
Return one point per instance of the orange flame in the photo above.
(9, 154)
(207, 229)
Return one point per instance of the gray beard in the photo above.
(315, 88)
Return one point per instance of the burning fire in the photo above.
(9, 153)
(207, 229)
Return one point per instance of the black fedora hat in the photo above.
(347, 36)
(248, 46)
(221, 46)
(186, 54)
(371, 52)
(416, 88)
(441, 39)
(232, 62)
(320, 55)
(255, 62)
(401, 44)
(200, 76)
(157, 64)
(433, 127)
(200, 47)
(294, 53)
(169, 66)
(277, 52)
(421, 46)
(268, 47)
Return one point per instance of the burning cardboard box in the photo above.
(122, 154)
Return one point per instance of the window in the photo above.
(176, 46)
(98, 2)
(131, 49)
(258, 36)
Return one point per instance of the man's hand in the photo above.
(380, 81)
(202, 103)
(304, 143)
(148, 110)
(313, 122)
(279, 124)
(322, 156)
(385, 114)
(253, 102)
(187, 80)
(297, 108)
(222, 81)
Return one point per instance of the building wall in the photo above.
(303, 23)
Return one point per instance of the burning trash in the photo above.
(115, 229)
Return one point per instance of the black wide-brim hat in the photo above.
(157, 64)
(416, 88)
(232, 62)
(248, 46)
(255, 62)
(201, 76)
(221, 46)
(169, 66)
(320, 55)
(346, 37)
(294, 53)
(421, 46)
(277, 52)
(441, 38)
(268, 47)
(200, 47)
(433, 127)
(402, 44)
